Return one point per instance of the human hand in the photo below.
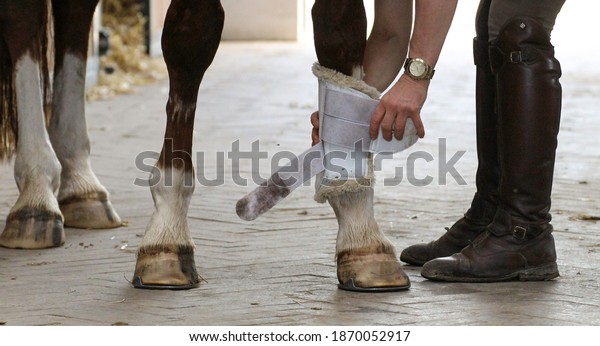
(314, 120)
(404, 100)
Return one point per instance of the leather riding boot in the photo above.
(518, 244)
(485, 201)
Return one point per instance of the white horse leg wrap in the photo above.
(346, 105)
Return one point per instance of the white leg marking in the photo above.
(171, 195)
(37, 170)
(68, 130)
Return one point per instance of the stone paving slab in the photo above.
(280, 269)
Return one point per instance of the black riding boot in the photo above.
(518, 244)
(485, 201)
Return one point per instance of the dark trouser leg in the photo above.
(545, 11)
(483, 206)
(518, 244)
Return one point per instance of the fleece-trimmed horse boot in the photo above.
(366, 260)
(518, 244)
(485, 201)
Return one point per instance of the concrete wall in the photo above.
(246, 20)
(262, 19)
(157, 12)
(93, 62)
(287, 20)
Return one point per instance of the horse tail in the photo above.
(9, 122)
(47, 60)
(8, 102)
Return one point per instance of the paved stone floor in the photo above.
(280, 269)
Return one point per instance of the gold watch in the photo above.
(417, 69)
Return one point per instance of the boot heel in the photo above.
(543, 273)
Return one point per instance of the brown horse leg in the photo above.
(82, 199)
(191, 36)
(366, 259)
(35, 221)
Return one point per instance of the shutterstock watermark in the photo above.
(299, 167)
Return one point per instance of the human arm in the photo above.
(406, 98)
(387, 44)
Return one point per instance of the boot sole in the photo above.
(411, 260)
(543, 273)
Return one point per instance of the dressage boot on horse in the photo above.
(518, 243)
(485, 201)
(56, 184)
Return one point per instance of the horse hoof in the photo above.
(361, 271)
(168, 267)
(33, 229)
(92, 213)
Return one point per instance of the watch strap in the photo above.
(429, 71)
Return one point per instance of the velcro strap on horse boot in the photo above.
(344, 131)
(352, 103)
(346, 106)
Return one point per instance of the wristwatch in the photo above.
(417, 69)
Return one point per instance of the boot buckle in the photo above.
(519, 232)
(515, 57)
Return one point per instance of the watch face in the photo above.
(417, 68)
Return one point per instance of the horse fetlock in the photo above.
(366, 259)
(83, 201)
(160, 264)
(357, 225)
(166, 267)
(45, 173)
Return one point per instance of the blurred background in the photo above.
(125, 45)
